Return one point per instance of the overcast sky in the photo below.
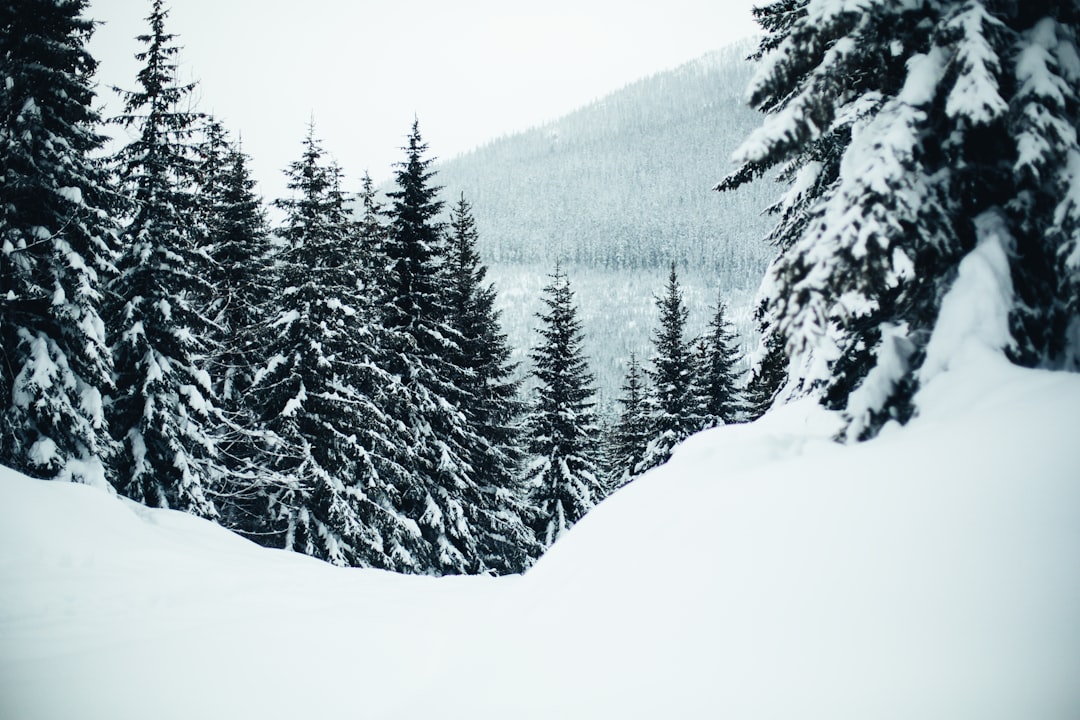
(470, 70)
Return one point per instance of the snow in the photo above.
(765, 572)
(71, 194)
(195, 399)
(893, 363)
(43, 452)
(38, 374)
(296, 402)
(974, 315)
(975, 95)
(287, 319)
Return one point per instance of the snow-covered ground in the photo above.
(765, 572)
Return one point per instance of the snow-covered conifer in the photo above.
(897, 125)
(56, 238)
(630, 435)
(371, 236)
(561, 426)
(328, 449)
(238, 250)
(441, 491)
(235, 252)
(491, 400)
(768, 374)
(672, 414)
(719, 397)
(164, 411)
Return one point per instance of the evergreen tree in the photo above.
(210, 159)
(767, 377)
(491, 407)
(899, 127)
(672, 415)
(231, 236)
(164, 412)
(236, 255)
(415, 250)
(630, 436)
(240, 267)
(56, 237)
(372, 236)
(317, 397)
(561, 426)
(441, 492)
(716, 384)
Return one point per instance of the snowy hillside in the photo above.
(766, 572)
(615, 191)
(626, 182)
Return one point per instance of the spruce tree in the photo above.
(210, 159)
(239, 255)
(317, 397)
(630, 435)
(899, 127)
(672, 415)
(371, 235)
(491, 404)
(562, 433)
(716, 384)
(164, 411)
(441, 491)
(767, 377)
(415, 250)
(56, 236)
(236, 255)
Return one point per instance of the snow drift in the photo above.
(765, 572)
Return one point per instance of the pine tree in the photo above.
(672, 415)
(318, 395)
(1044, 213)
(631, 431)
(899, 126)
(164, 412)
(239, 254)
(415, 249)
(561, 427)
(491, 405)
(236, 255)
(210, 159)
(719, 398)
(56, 237)
(767, 377)
(371, 234)
(231, 238)
(441, 491)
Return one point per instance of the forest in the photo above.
(337, 384)
(248, 449)
(340, 384)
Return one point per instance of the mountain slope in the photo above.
(616, 191)
(626, 181)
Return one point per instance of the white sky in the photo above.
(470, 70)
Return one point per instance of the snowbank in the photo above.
(765, 572)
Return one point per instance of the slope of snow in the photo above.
(765, 572)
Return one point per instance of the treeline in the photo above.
(338, 385)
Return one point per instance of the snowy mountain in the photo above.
(626, 182)
(615, 192)
(765, 572)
